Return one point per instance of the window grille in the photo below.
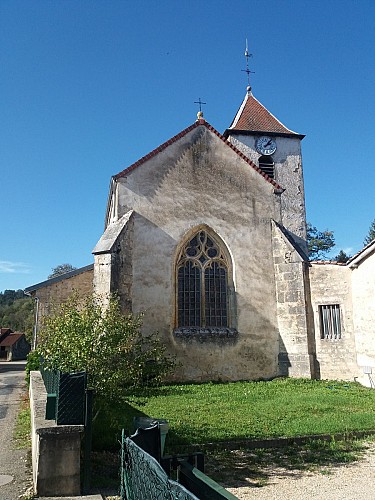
(202, 289)
(330, 322)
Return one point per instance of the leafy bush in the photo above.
(32, 363)
(81, 334)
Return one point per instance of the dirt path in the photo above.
(355, 481)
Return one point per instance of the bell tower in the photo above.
(277, 151)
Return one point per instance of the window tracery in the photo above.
(202, 283)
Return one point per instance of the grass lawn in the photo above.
(213, 412)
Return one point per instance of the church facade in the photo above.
(206, 236)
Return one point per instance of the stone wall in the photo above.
(289, 174)
(331, 284)
(57, 292)
(296, 351)
(55, 448)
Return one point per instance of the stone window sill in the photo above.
(220, 335)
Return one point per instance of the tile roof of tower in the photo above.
(254, 117)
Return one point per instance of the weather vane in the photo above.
(200, 112)
(247, 70)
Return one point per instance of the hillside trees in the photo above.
(17, 312)
(371, 233)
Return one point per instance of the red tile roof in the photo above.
(254, 117)
(5, 330)
(11, 339)
(198, 123)
(326, 262)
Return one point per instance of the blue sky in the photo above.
(88, 87)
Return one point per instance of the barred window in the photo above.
(330, 322)
(202, 288)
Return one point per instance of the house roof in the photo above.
(5, 330)
(327, 262)
(362, 254)
(11, 339)
(62, 277)
(252, 117)
(198, 123)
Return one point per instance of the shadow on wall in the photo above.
(284, 362)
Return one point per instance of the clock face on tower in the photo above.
(265, 145)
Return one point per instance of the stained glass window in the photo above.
(202, 281)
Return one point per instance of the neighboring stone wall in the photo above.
(57, 293)
(55, 448)
(363, 285)
(201, 181)
(296, 352)
(331, 284)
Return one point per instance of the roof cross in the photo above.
(200, 104)
(247, 70)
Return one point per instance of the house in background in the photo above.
(13, 345)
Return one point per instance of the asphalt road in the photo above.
(14, 464)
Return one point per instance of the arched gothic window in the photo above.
(202, 283)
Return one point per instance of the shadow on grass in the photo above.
(242, 467)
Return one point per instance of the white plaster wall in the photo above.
(199, 180)
(363, 283)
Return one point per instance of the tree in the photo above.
(61, 269)
(342, 257)
(319, 242)
(81, 334)
(371, 234)
(17, 312)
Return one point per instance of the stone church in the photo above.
(206, 236)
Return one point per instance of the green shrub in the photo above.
(32, 363)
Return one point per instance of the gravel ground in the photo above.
(15, 476)
(355, 481)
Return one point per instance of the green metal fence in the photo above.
(66, 396)
(142, 477)
(69, 402)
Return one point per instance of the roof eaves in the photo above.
(231, 131)
(361, 254)
(327, 263)
(57, 279)
(159, 149)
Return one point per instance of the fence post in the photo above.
(88, 441)
(122, 471)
